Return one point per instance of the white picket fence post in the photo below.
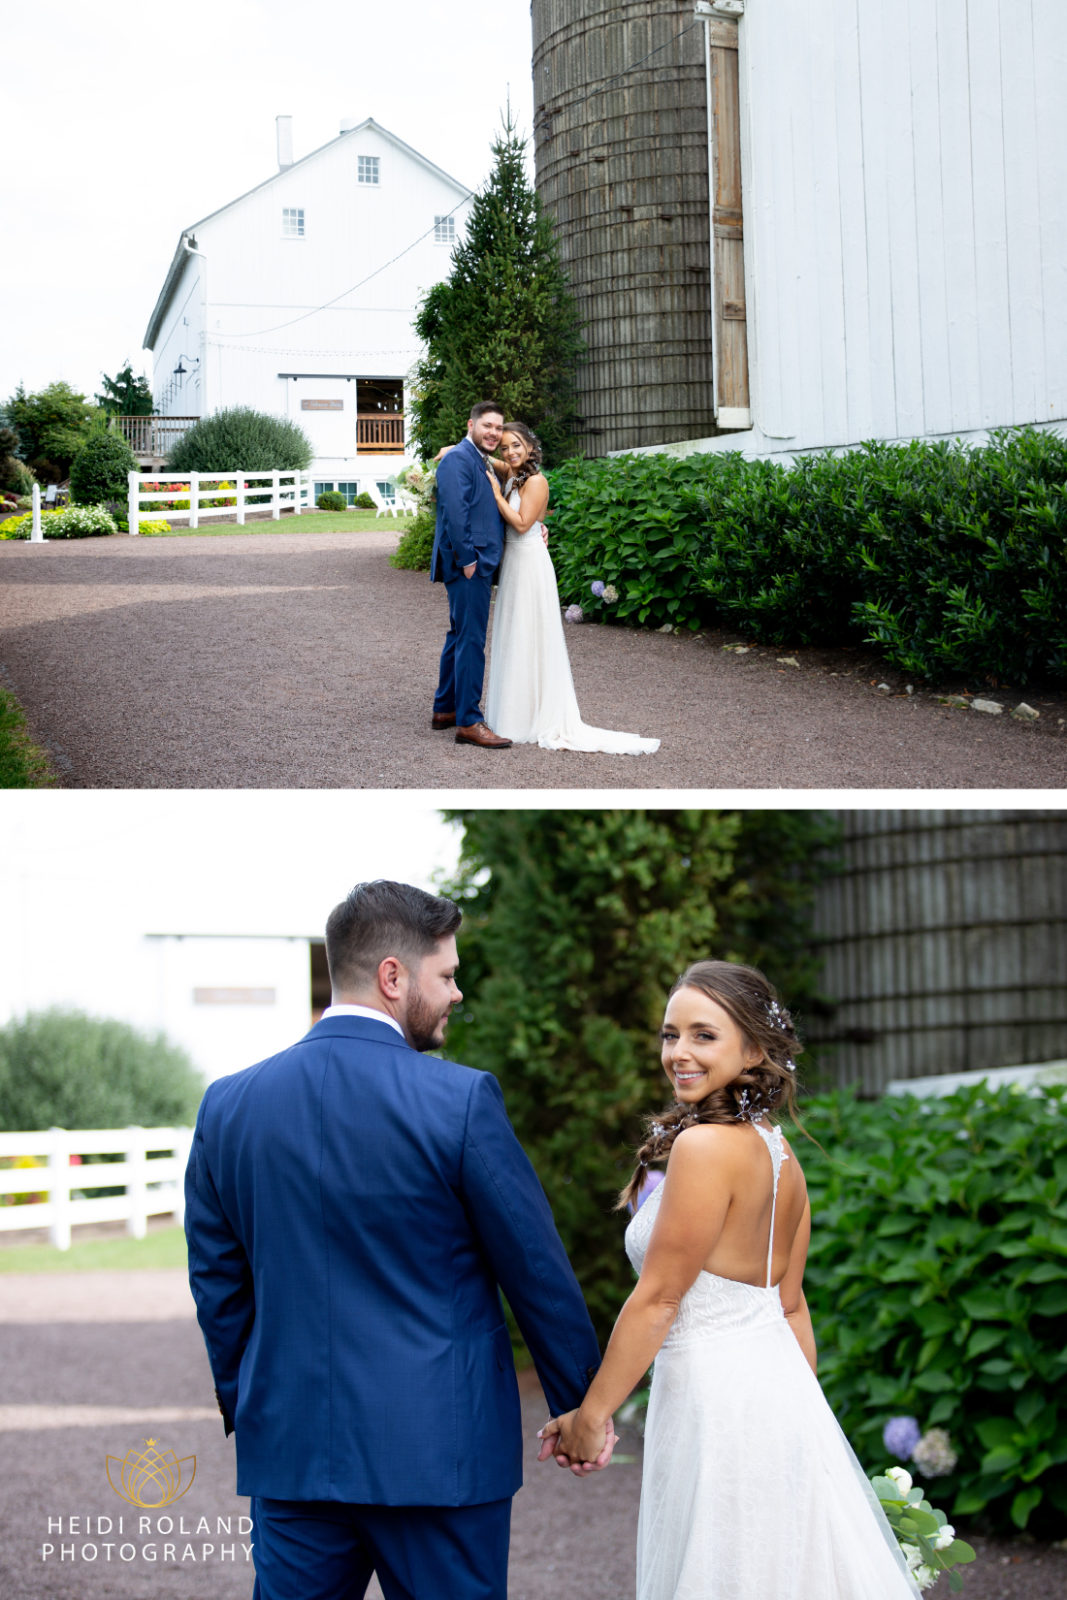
(59, 1188)
(133, 503)
(240, 500)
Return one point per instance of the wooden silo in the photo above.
(944, 938)
(621, 144)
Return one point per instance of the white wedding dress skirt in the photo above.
(530, 697)
(750, 1490)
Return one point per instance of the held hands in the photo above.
(576, 1443)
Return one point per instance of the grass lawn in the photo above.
(306, 522)
(22, 765)
(164, 1247)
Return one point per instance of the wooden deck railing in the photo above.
(381, 432)
(152, 436)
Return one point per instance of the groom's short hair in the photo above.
(381, 919)
(482, 407)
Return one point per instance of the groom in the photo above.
(468, 543)
(353, 1209)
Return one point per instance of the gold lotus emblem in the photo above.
(150, 1477)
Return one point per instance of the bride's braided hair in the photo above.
(532, 464)
(747, 997)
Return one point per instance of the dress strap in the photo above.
(772, 1138)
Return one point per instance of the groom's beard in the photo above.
(424, 1024)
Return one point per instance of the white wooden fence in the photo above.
(221, 495)
(151, 1173)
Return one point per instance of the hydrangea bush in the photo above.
(947, 558)
(937, 1282)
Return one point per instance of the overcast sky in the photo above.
(209, 861)
(133, 121)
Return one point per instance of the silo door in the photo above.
(730, 329)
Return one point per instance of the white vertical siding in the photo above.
(905, 217)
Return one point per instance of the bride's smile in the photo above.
(701, 1046)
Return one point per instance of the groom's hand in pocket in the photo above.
(468, 572)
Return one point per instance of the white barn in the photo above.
(298, 299)
(875, 245)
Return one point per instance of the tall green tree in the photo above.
(124, 395)
(575, 926)
(51, 425)
(503, 326)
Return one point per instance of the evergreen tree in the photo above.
(99, 473)
(504, 326)
(124, 395)
(575, 926)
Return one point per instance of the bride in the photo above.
(749, 1488)
(530, 698)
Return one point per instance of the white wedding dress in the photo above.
(530, 697)
(750, 1490)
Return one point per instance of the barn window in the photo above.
(292, 222)
(444, 230)
(369, 169)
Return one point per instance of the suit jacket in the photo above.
(469, 526)
(351, 1208)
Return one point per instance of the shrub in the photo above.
(151, 529)
(937, 1286)
(630, 522)
(72, 522)
(332, 500)
(416, 543)
(99, 470)
(364, 502)
(241, 440)
(65, 1069)
(948, 558)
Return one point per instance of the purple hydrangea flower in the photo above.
(597, 587)
(900, 1436)
(574, 614)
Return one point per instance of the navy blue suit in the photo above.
(352, 1208)
(469, 528)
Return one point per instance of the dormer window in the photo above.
(444, 230)
(292, 222)
(369, 169)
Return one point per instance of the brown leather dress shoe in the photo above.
(481, 733)
(443, 719)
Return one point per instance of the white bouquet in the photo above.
(926, 1537)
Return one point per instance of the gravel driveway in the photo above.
(306, 661)
(96, 1362)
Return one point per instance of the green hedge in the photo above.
(937, 1282)
(949, 559)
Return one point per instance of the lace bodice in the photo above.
(714, 1303)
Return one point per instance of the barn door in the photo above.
(729, 326)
